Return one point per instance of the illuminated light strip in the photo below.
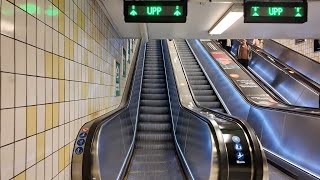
(229, 18)
(293, 164)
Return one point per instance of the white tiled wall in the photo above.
(306, 48)
(57, 64)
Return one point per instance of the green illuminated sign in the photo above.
(277, 11)
(151, 11)
(135, 10)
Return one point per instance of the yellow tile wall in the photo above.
(306, 48)
(57, 72)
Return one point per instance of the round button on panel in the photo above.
(79, 150)
(81, 142)
(236, 139)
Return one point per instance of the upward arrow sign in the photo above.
(177, 11)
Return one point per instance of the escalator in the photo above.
(201, 88)
(152, 135)
(273, 122)
(154, 153)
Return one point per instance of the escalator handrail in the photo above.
(303, 79)
(95, 125)
(290, 109)
(253, 140)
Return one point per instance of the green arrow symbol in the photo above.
(177, 11)
(133, 11)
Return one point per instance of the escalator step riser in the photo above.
(154, 110)
(201, 87)
(141, 136)
(154, 126)
(146, 145)
(154, 91)
(154, 118)
(199, 82)
(210, 104)
(154, 103)
(209, 98)
(153, 86)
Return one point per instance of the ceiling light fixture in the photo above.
(230, 17)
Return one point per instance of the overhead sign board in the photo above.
(155, 11)
(275, 12)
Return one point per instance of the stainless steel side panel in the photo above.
(304, 65)
(291, 136)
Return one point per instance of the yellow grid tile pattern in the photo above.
(306, 48)
(57, 73)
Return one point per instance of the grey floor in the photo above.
(276, 174)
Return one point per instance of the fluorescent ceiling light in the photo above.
(229, 18)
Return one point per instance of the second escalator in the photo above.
(201, 88)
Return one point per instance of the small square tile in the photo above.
(48, 168)
(61, 44)
(41, 115)
(41, 91)
(49, 115)
(55, 66)
(31, 120)
(21, 176)
(19, 157)
(40, 146)
(55, 42)
(48, 17)
(55, 117)
(7, 126)
(48, 39)
(48, 58)
(31, 173)
(31, 60)
(61, 136)
(20, 123)
(61, 90)
(40, 34)
(40, 63)
(55, 141)
(49, 90)
(55, 90)
(61, 159)
(31, 90)
(48, 143)
(55, 164)
(21, 90)
(20, 25)
(55, 20)
(7, 160)
(31, 151)
(20, 57)
(7, 93)
(61, 68)
(61, 113)
(40, 170)
(61, 22)
(7, 54)
(31, 30)
(7, 19)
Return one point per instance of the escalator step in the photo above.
(154, 136)
(201, 87)
(152, 85)
(196, 77)
(154, 117)
(210, 104)
(153, 103)
(154, 126)
(154, 91)
(154, 110)
(199, 82)
(201, 93)
(207, 98)
(154, 145)
(154, 96)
